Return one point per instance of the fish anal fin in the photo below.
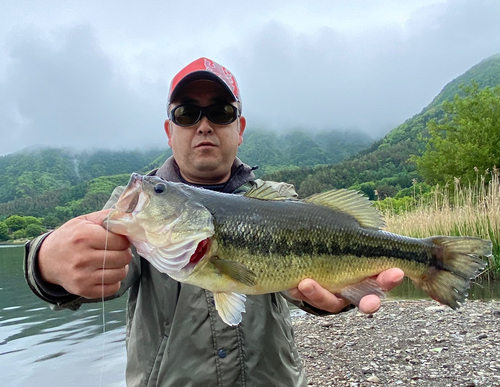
(235, 270)
(230, 306)
(352, 203)
(357, 291)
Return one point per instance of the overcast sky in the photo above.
(96, 73)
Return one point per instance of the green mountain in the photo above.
(58, 184)
(273, 152)
(385, 167)
(33, 172)
(486, 74)
(61, 184)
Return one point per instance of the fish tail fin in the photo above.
(456, 261)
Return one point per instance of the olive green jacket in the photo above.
(174, 334)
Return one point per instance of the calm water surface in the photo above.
(43, 348)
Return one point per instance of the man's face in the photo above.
(204, 151)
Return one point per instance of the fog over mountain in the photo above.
(95, 74)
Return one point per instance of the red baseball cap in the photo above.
(204, 68)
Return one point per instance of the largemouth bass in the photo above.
(261, 243)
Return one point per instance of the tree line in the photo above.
(458, 143)
(60, 185)
(21, 227)
(456, 139)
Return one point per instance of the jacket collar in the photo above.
(240, 174)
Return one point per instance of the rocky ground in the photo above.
(406, 343)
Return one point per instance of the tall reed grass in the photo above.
(460, 210)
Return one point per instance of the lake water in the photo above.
(43, 348)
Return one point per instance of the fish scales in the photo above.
(286, 228)
(285, 242)
(236, 245)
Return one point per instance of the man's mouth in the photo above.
(205, 144)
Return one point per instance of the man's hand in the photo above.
(312, 293)
(73, 257)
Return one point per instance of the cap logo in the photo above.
(222, 73)
(199, 68)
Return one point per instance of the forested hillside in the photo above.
(386, 166)
(486, 73)
(55, 185)
(58, 184)
(34, 172)
(272, 151)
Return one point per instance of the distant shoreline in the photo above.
(11, 244)
(14, 242)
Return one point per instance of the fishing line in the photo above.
(102, 301)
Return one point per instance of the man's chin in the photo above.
(208, 162)
(207, 165)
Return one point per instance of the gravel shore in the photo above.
(406, 343)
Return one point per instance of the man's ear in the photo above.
(243, 124)
(168, 130)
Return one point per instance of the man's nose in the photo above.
(205, 126)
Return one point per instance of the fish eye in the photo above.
(160, 188)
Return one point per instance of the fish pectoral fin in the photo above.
(235, 270)
(357, 291)
(230, 306)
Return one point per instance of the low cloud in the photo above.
(67, 93)
(372, 80)
(75, 86)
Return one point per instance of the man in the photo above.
(174, 334)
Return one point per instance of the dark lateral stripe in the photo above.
(358, 245)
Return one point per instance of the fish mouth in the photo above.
(130, 196)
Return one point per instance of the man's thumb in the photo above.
(97, 217)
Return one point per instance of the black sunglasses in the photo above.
(218, 113)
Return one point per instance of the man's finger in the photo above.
(116, 242)
(369, 304)
(102, 291)
(114, 259)
(391, 278)
(109, 276)
(96, 217)
(319, 297)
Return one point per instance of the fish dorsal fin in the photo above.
(265, 192)
(351, 203)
